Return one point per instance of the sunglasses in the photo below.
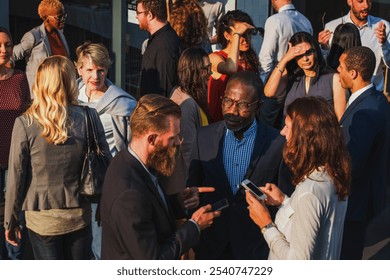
(60, 17)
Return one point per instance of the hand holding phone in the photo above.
(219, 205)
(248, 185)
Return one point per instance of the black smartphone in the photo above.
(219, 205)
(248, 185)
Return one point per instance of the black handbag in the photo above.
(95, 162)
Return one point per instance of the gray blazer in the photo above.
(44, 176)
(35, 47)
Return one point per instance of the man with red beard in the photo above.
(137, 218)
(374, 34)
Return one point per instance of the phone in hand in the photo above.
(248, 185)
(219, 205)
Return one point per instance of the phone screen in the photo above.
(219, 205)
(248, 185)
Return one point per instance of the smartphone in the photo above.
(219, 205)
(248, 185)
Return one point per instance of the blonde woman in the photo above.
(46, 156)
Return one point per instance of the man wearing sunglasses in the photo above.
(44, 40)
(224, 154)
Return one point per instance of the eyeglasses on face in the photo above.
(142, 12)
(60, 17)
(242, 106)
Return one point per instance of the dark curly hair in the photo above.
(317, 141)
(224, 24)
(188, 20)
(158, 8)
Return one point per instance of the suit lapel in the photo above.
(257, 149)
(152, 188)
(351, 108)
(45, 40)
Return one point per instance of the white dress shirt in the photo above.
(369, 39)
(356, 94)
(278, 31)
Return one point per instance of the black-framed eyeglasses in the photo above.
(60, 17)
(143, 12)
(241, 105)
(307, 53)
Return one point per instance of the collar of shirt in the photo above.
(347, 18)
(154, 178)
(287, 7)
(357, 93)
(161, 30)
(249, 131)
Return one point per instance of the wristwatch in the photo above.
(264, 229)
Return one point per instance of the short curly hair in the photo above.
(48, 4)
(157, 7)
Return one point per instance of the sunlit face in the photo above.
(306, 61)
(360, 8)
(286, 131)
(55, 18)
(162, 157)
(344, 73)
(142, 18)
(245, 40)
(93, 76)
(5, 48)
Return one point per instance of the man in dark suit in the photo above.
(226, 153)
(366, 128)
(137, 218)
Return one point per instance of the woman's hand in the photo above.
(257, 210)
(294, 51)
(274, 195)
(241, 27)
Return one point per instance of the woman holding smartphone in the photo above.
(309, 224)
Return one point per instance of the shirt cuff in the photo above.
(285, 201)
(197, 226)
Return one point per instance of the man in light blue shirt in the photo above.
(278, 30)
(374, 33)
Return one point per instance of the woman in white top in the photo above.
(309, 224)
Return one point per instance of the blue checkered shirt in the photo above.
(237, 155)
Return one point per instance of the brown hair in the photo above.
(151, 113)
(317, 141)
(189, 22)
(158, 8)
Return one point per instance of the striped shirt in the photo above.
(237, 155)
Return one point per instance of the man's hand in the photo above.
(203, 217)
(191, 196)
(380, 33)
(14, 236)
(323, 38)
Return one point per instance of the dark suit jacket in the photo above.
(366, 128)
(234, 226)
(136, 224)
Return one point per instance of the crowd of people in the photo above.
(304, 120)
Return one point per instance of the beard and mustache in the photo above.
(163, 159)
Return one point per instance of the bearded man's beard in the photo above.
(163, 159)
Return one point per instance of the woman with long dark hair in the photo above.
(302, 71)
(234, 31)
(309, 224)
